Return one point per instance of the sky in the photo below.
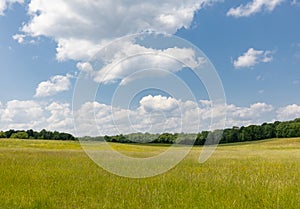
(56, 52)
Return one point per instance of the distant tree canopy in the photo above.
(2, 134)
(229, 135)
(31, 134)
(256, 132)
(19, 135)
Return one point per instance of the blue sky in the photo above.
(45, 45)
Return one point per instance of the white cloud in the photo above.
(158, 103)
(85, 118)
(60, 116)
(26, 108)
(255, 111)
(289, 112)
(86, 67)
(255, 6)
(253, 57)
(55, 85)
(17, 114)
(155, 114)
(82, 28)
(19, 38)
(4, 4)
(141, 58)
(20, 114)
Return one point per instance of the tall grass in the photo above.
(44, 174)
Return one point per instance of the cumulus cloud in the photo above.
(55, 85)
(86, 67)
(60, 116)
(22, 109)
(140, 58)
(91, 114)
(115, 120)
(20, 114)
(255, 111)
(253, 57)
(158, 103)
(19, 38)
(4, 4)
(253, 7)
(35, 115)
(82, 28)
(289, 112)
(155, 114)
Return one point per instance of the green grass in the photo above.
(57, 174)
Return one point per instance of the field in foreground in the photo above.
(57, 174)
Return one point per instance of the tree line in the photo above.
(265, 131)
(31, 134)
(230, 135)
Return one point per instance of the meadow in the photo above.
(58, 174)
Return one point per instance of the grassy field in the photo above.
(56, 174)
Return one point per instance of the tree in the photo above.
(214, 137)
(61, 136)
(297, 120)
(267, 131)
(19, 135)
(201, 138)
(230, 135)
(9, 133)
(2, 134)
(45, 134)
(244, 134)
(188, 139)
(32, 134)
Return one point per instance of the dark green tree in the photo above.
(19, 135)
(2, 134)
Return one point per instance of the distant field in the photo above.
(58, 174)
